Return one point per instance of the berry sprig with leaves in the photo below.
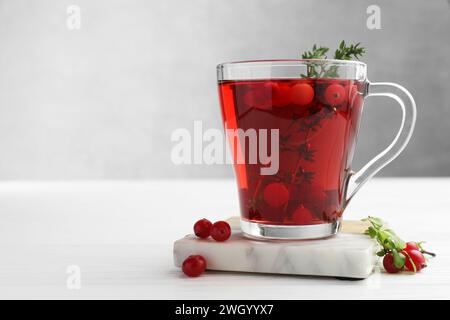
(318, 69)
(397, 254)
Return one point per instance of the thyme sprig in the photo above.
(318, 69)
(315, 53)
(347, 53)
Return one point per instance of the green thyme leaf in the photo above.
(316, 53)
(345, 52)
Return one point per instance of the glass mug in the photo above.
(313, 109)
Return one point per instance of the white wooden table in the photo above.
(120, 234)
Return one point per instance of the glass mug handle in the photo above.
(384, 89)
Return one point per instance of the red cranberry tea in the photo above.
(317, 121)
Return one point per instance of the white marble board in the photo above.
(350, 254)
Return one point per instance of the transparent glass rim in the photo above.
(286, 69)
(292, 62)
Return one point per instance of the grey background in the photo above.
(101, 102)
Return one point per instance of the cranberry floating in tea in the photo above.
(315, 108)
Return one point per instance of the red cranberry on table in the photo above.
(194, 265)
(202, 228)
(411, 246)
(388, 264)
(414, 257)
(220, 231)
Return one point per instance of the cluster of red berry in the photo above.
(195, 265)
(397, 255)
(278, 94)
(219, 231)
(414, 260)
